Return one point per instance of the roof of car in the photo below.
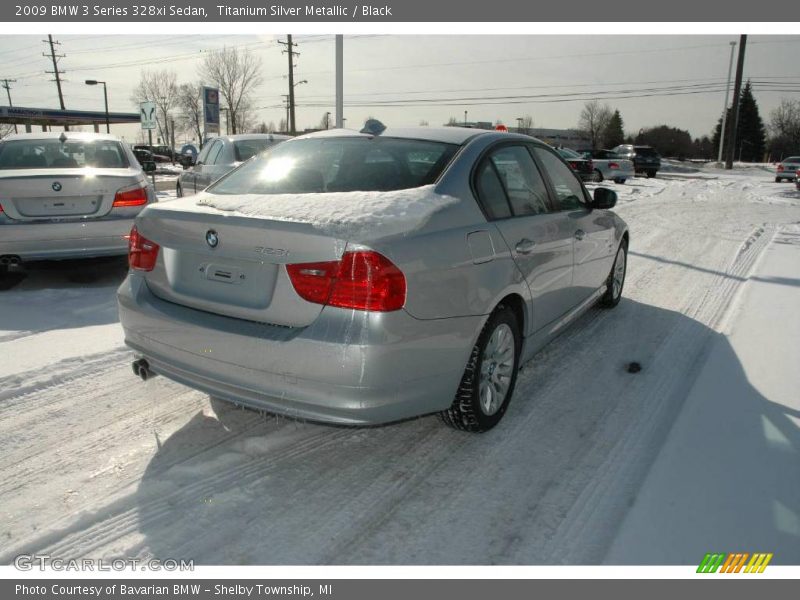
(70, 135)
(448, 135)
(254, 136)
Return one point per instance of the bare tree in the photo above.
(526, 124)
(190, 110)
(594, 120)
(325, 121)
(236, 73)
(423, 123)
(784, 128)
(160, 87)
(283, 127)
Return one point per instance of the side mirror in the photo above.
(604, 198)
(149, 166)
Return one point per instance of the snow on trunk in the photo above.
(345, 215)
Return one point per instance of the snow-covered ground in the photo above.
(96, 463)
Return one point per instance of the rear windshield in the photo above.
(644, 151)
(247, 149)
(55, 154)
(340, 164)
(792, 159)
(567, 153)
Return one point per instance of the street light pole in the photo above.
(465, 118)
(105, 99)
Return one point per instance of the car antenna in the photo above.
(373, 127)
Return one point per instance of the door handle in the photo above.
(580, 234)
(525, 246)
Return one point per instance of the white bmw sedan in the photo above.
(67, 195)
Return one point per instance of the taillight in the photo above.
(130, 196)
(613, 165)
(361, 280)
(142, 253)
(780, 168)
(1, 209)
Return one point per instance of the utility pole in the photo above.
(291, 54)
(54, 57)
(737, 89)
(339, 81)
(725, 106)
(286, 100)
(7, 84)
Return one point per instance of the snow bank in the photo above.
(346, 215)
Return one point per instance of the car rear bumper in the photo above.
(347, 367)
(63, 240)
(621, 173)
(788, 175)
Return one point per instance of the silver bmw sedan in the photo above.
(366, 277)
(67, 195)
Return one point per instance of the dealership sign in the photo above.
(211, 109)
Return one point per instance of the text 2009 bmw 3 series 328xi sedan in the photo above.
(366, 277)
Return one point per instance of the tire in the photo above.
(651, 174)
(179, 190)
(468, 412)
(597, 176)
(612, 296)
(777, 180)
(620, 180)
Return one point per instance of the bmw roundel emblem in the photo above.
(212, 239)
(56, 186)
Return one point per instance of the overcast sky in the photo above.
(679, 80)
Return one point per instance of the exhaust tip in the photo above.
(141, 368)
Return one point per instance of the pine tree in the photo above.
(750, 135)
(613, 134)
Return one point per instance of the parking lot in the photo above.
(98, 463)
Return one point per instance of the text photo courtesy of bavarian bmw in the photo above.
(367, 277)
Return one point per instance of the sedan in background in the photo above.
(608, 165)
(219, 156)
(645, 158)
(583, 166)
(787, 169)
(67, 195)
(367, 277)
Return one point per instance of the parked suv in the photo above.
(645, 158)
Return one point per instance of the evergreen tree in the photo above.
(750, 135)
(613, 134)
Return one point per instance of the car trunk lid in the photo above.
(233, 265)
(70, 193)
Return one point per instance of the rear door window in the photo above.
(568, 190)
(521, 179)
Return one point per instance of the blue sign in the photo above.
(211, 108)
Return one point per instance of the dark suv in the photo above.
(645, 158)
